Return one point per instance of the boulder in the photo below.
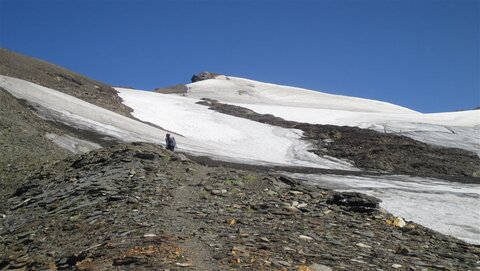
(203, 76)
(355, 201)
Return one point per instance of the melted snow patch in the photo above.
(73, 144)
(448, 207)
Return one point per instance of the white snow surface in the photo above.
(238, 90)
(448, 207)
(72, 143)
(451, 129)
(220, 135)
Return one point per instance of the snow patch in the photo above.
(72, 144)
(448, 207)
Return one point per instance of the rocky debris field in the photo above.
(139, 207)
(23, 145)
(372, 150)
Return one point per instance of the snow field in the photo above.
(451, 129)
(222, 135)
(239, 90)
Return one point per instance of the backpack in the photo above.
(171, 142)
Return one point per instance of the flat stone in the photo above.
(357, 202)
(319, 267)
(362, 245)
(146, 156)
(183, 264)
(288, 180)
(305, 237)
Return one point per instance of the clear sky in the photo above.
(420, 54)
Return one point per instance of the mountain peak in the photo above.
(204, 76)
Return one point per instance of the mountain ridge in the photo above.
(128, 205)
(49, 75)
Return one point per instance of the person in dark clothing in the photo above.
(170, 142)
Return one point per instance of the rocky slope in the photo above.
(58, 78)
(26, 136)
(23, 144)
(140, 207)
(27, 139)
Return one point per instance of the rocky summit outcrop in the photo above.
(203, 76)
(139, 207)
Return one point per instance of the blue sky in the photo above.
(420, 54)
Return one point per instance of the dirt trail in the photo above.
(181, 222)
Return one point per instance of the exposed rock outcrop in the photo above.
(355, 201)
(203, 76)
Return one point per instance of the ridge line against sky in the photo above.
(424, 55)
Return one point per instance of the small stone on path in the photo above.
(305, 237)
(319, 267)
(362, 245)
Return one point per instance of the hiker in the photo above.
(170, 142)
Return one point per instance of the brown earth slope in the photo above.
(58, 78)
